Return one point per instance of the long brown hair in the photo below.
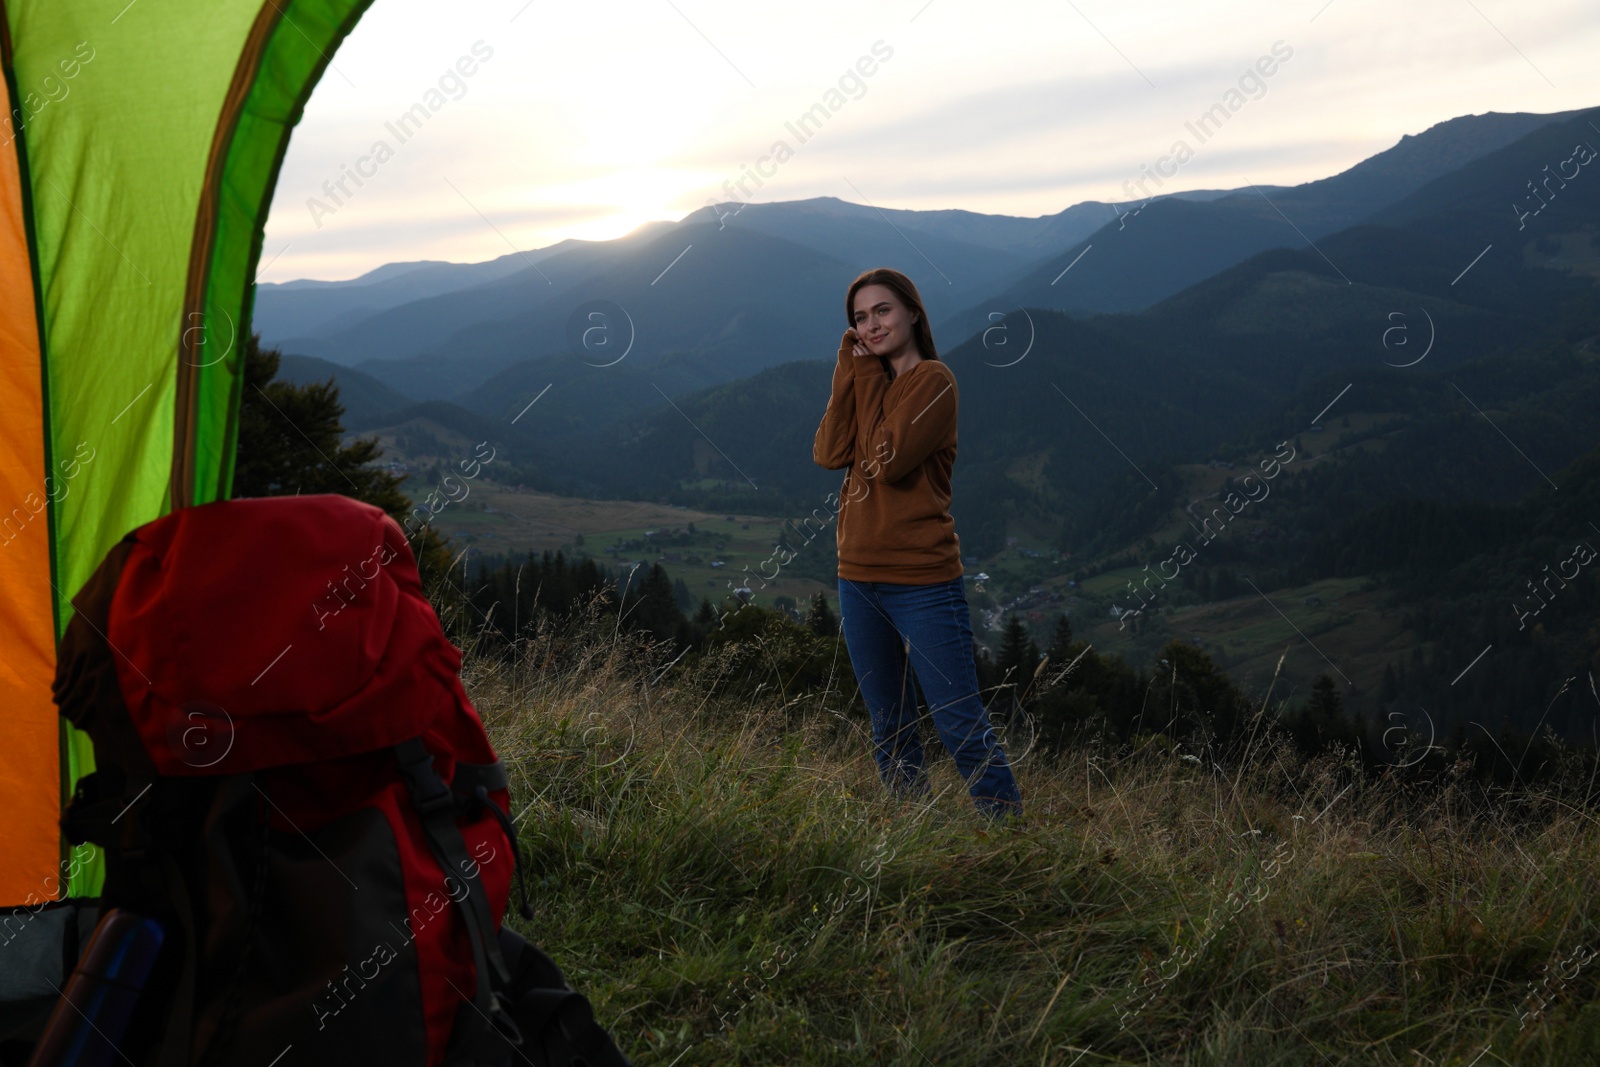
(906, 290)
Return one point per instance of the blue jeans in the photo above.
(881, 622)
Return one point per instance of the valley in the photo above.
(1105, 421)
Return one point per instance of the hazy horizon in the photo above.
(462, 135)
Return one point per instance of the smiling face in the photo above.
(882, 322)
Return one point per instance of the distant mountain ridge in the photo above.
(443, 331)
(736, 319)
(1154, 251)
(307, 308)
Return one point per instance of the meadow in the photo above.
(729, 884)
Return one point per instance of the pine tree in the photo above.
(289, 441)
(290, 444)
(1017, 660)
(1323, 723)
(681, 595)
(1326, 708)
(821, 620)
(651, 605)
(1061, 644)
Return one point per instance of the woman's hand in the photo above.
(851, 343)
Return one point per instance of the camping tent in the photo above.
(139, 146)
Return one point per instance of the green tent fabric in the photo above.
(145, 138)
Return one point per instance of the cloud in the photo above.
(579, 129)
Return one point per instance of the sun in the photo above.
(608, 204)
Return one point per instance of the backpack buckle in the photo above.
(428, 791)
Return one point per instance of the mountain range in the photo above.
(715, 345)
(1432, 312)
(726, 293)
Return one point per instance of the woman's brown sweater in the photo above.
(899, 440)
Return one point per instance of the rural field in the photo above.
(1330, 620)
(1352, 627)
(502, 520)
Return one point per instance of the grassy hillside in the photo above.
(366, 400)
(728, 884)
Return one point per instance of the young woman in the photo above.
(902, 601)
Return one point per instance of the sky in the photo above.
(534, 122)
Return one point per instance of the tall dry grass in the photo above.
(728, 882)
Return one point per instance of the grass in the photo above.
(729, 884)
(1358, 630)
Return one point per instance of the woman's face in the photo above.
(882, 322)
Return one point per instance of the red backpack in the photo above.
(293, 784)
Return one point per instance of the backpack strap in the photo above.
(557, 1020)
(473, 782)
(436, 807)
(522, 1001)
